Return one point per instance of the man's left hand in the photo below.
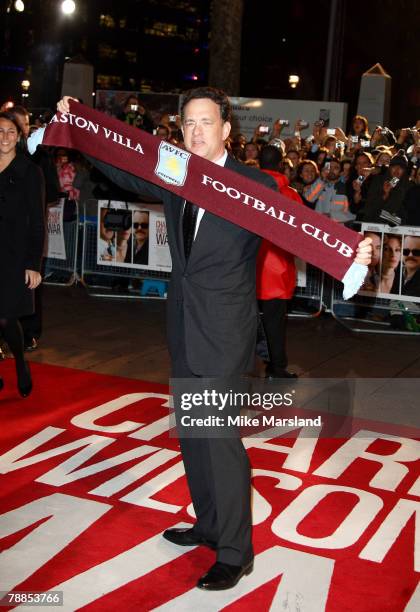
(364, 252)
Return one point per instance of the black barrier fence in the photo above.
(316, 293)
(63, 270)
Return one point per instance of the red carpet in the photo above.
(85, 495)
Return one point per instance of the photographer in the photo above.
(358, 182)
(387, 191)
(408, 137)
(383, 136)
(307, 175)
(136, 114)
(328, 193)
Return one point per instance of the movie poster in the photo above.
(300, 272)
(55, 247)
(395, 269)
(132, 236)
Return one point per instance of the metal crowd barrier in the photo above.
(321, 293)
(64, 272)
(370, 314)
(308, 301)
(111, 281)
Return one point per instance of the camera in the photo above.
(303, 124)
(284, 122)
(327, 165)
(117, 220)
(264, 129)
(172, 118)
(324, 116)
(394, 182)
(354, 139)
(331, 131)
(390, 218)
(277, 142)
(360, 179)
(365, 143)
(134, 107)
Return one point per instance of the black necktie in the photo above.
(189, 221)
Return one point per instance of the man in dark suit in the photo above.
(212, 325)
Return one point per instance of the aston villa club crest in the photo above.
(172, 164)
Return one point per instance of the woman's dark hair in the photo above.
(11, 117)
(130, 97)
(365, 125)
(343, 162)
(306, 162)
(364, 154)
(216, 95)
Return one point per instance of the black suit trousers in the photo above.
(219, 479)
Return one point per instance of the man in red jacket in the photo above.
(276, 277)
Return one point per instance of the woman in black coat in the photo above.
(21, 242)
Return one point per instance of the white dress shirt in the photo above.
(220, 162)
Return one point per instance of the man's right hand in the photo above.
(63, 105)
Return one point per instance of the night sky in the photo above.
(373, 31)
(278, 38)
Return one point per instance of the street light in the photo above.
(19, 6)
(293, 81)
(68, 7)
(25, 89)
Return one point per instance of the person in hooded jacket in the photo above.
(276, 277)
(388, 191)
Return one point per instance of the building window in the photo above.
(191, 34)
(131, 56)
(107, 52)
(181, 5)
(162, 29)
(108, 81)
(107, 21)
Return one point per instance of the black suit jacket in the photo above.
(211, 308)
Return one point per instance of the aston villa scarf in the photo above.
(299, 230)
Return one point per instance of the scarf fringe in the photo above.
(35, 139)
(353, 279)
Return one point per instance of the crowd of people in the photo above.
(356, 176)
(359, 176)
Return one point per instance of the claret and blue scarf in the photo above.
(301, 231)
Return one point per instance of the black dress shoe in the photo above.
(30, 345)
(280, 374)
(223, 576)
(187, 537)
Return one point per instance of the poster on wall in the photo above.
(247, 113)
(141, 244)
(56, 248)
(250, 113)
(395, 269)
(300, 272)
